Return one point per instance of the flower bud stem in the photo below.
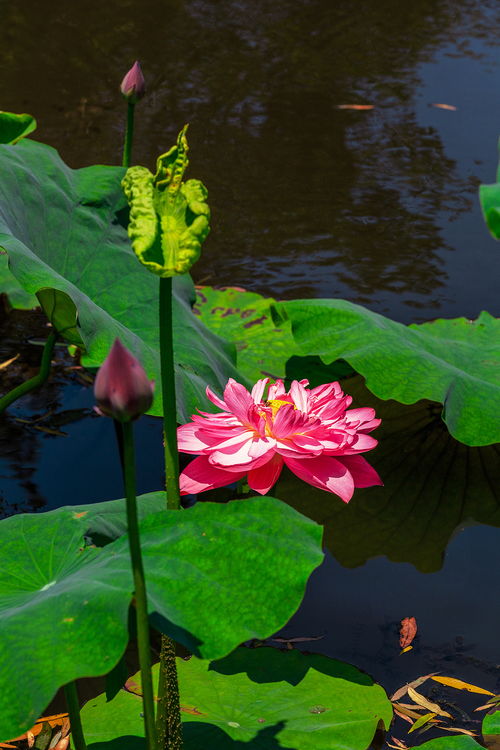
(129, 135)
(168, 719)
(139, 587)
(73, 704)
(35, 382)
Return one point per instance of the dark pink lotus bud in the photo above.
(133, 86)
(122, 389)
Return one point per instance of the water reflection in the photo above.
(308, 200)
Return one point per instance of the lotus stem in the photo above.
(168, 719)
(168, 394)
(129, 135)
(71, 695)
(37, 380)
(139, 587)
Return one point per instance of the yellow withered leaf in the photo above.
(460, 685)
(429, 705)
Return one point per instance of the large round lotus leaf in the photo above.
(491, 724)
(449, 743)
(432, 485)
(455, 362)
(14, 127)
(245, 319)
(220, 574)
(262, 698)
(65, 231)
(63, 613)
(10, 286)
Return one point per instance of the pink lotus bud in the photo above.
(133, 86)
(122, 389)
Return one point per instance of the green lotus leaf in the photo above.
(449, 743)
(65, 230)
(169, 218)
(489, 198)
(216, 575)
(245, 319)
(455, 362)
(491, 724)
(220, 574)
(10, 287)
(433, 485)
(63, 613)
(262, 698)
(14, 127)
(106, 521)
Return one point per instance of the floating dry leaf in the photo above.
(407, 631)
(404, 650)
(358, 107)
(5, 364)
(406, 711)
(460, 685)
(450, 107)
(399, 743)
(403, 716)
(423, 701)
(460, 730)
(404, 689)
(425, 719)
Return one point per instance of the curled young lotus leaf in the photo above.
(169, 218)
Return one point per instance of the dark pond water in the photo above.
(377, 206)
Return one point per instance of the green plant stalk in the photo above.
(129, 135)
(168, 719)
(139, 587)
(37, 380)
(168, 393)
(71, 695)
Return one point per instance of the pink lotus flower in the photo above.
(133, 86)
(122, 388)
(311, 431)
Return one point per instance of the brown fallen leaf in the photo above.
(30, 738)
(62, 744)
(415, 683)
(460, 685)
(403, 716)
(407, 631)
(446, 728)
(450, 107)
(405, 649)
(358, 107)
(8, 362)
(406, 711)
(411, 706)
(4, 744)
(399, 743)
(423, 701)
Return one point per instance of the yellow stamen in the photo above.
(276, 404)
